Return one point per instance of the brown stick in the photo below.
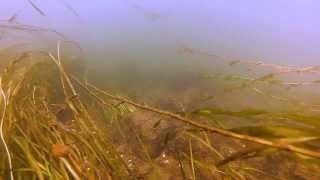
(278, 145)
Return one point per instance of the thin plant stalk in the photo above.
(191, 160)
(227, 133)
(1, 132)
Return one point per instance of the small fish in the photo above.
(12, 18)
(266, 77)
(234, 62)
(157, 124)
(208, 98)
(118, 104)
(166, 139)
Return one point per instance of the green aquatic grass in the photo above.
(35, 125)
(56, 128)
(32, 129)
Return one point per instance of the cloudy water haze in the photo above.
(284, 32)
(159, 89)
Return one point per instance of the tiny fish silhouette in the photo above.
(12, 18)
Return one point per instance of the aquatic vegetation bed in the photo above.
(57, 127)
(54, 125)
(42, 142)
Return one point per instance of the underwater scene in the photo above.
(159, 90)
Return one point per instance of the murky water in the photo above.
(159, 90)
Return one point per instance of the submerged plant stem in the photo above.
(1, 131)
(70, 169)
(192, 160)
(277, 145)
